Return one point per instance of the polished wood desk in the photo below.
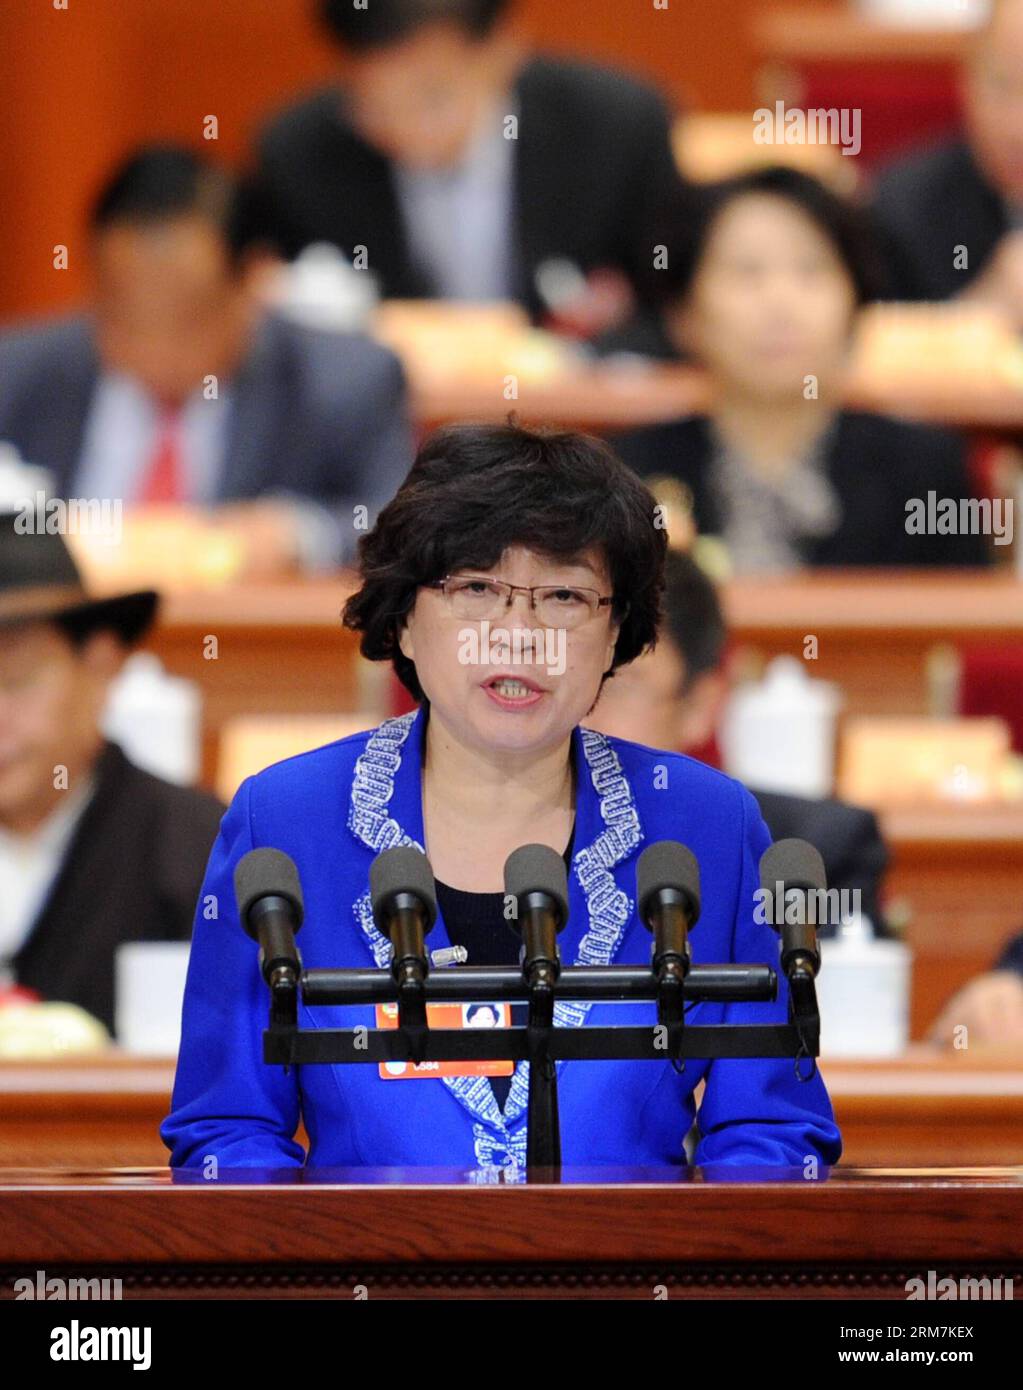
(840, 33)
(599, 1233)
(279, 648)
(598, 398)
(956, 879)
(941, 363)
(924, 1108)
(101, 1111)
(877, 630)
(606, 399)
(927, 1108)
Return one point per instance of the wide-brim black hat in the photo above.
(40, 582)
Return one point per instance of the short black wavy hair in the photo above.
(695, 620)
(845, 224)
(385, 22)
(157, 183)
(475, 490)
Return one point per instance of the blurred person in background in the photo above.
(951, 215)
(93, 851)
(989, 1007)
(180, 388)
(672, 697)
(467, 169)
(762, 288)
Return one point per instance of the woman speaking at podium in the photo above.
(511, 575)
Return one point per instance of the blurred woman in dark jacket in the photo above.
(763, 291)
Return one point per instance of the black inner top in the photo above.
(477, 922)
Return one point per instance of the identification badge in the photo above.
(448, 1016)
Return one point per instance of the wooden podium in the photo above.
(601, 1232)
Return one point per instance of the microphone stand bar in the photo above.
(504, 984)
(699, 1041)
(541, 1042)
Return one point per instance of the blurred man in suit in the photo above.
(671, 698)
(93, 851)
(179, 388)
(452, 166)
(952, 215)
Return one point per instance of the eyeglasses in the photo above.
(555, 605)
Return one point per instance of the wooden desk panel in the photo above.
(959, 872)
(875, 630)
(929, 1109)
(280, 649)
(102, 1111)
(841, 34)
(601, 399)
(600, 1232)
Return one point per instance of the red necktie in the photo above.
(164, 480)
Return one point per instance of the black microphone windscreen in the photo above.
(537, 869)
(795, 863)
(264, 873)
(667, 864)
(402, 869)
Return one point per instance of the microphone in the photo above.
(404, 902)
(269, 897)
(404, 906)
(668, 894)
(536, 877)
(789, 871)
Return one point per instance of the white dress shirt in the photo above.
(29, 865)
(121, 434)
(460, 221)
(120, 438)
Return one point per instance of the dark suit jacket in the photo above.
(594, 177)
(875, 464)
(319, 415)
(926, 205)
(1011, 957)
(848, 838)
(131, 873)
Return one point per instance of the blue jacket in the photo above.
(333, 810)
